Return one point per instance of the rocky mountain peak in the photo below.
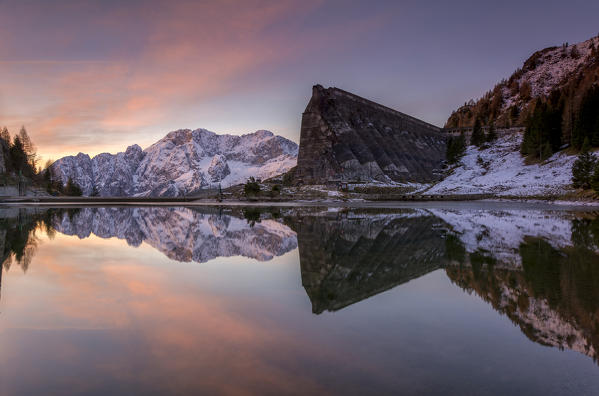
(183, 162)
(569, 68)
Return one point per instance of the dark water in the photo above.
(299, 301)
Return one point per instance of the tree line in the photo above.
(456, 145)
(566, 116)
(21, 166)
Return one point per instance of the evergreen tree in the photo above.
(5, 135)
(587, 119)
(17, 157)
(492, 135)
(251, 187)
(455, 148)
(514, 114)
(595, 179)
(584, 167)
(542, 136)
(546, 151)
(72, 188)
(478, 137)
(28, 146)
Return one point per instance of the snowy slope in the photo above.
(501, 170)
(550, 68)
(181, 163)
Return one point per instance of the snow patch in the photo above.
(500, 169)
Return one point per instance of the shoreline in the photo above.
(497, 203)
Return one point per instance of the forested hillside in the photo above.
(555, 95)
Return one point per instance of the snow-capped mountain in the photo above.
(182, 234)
(181, 163)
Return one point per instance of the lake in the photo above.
(433, 299)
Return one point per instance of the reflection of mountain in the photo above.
(183, 234)
(540, 269)
(553, 297)
(550, 290)
(346, 258)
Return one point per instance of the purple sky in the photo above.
(97, 76)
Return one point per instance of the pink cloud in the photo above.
(170, 59)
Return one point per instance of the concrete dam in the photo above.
(346, 138)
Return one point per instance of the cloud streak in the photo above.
(99, 75)
(167, 61)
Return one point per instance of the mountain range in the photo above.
(182, 163)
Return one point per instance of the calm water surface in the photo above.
(299, 301)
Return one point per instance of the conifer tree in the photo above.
(587, 119)
(5, 135)
(584, 167)
(455, 148)
(478, 137)
(28, 146)
(72, 188)
(595, 179)
(546, 151)
(542, 136)
(492, 135)
(18, 157)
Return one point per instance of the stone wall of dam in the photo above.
(348, 138)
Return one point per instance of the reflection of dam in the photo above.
(348, 258)
(549, 287)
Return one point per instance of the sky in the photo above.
(97, 76)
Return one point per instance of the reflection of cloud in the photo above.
(122, 320)
(132, 69)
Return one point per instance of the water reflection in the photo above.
(184, 234)
(538, 268)
(346, 257)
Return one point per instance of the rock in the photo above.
(219, 169)
(347, 138)
(78, 168)
(114, 174)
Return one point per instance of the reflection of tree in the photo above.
(585, 233)
(553, 298)
(252, 215)
(18, 235)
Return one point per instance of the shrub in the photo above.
(251, 187)
(584, 167)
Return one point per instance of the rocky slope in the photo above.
(570, 69)
(181, 163)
